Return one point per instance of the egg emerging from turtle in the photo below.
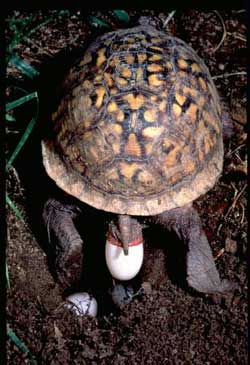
(121, 266)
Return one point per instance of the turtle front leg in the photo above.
(65, 240)
(202, 273)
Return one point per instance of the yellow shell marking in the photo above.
(201, 101)
(113, 91)
(135, 102)
(182, 73)
(98, 78)
(141, 57)
(200, 155)
(162, 106)
(101, 57)
(148, 148)
(112, 107)
(114, 61)
(202, 83)
(74, 153)
(156, 40)
(152, 132)
(182, 63)
(201, 126)
(116, 147)
(108, 78)
(146, 178)
(195, 67)
(191, 112)
(120, 116)
(128, 170)
(121, 81)
(169, 65)
(189, 165)
(150, 115)
(155, 57)
(156, 48)
(133, 147)
(133, 120)
(177, 110)
(126, 72)
(207, 143)
(130, 59)
(154, 67)
(87, 123)
(180, 98)
(100, 92)
(117, 128)
(130, 40)
(154, 81)
(171, 158)
(174, 178)
(211, 120)
(189, 90)
(112, 173)
(139, 74)
(153, 97)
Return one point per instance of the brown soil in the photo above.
(167, 323)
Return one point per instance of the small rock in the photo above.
(221, 67)
(122, 294)
(230, 245)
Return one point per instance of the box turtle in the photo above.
(137, 132)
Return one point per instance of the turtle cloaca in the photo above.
(138, 132)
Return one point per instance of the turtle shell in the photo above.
(138, 129)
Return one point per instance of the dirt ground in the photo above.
(166, 323)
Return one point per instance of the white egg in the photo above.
(121, 266)
(82, 304)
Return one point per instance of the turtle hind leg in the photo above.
(202, 274)
(65, 242)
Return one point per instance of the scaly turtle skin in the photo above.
(138, 131)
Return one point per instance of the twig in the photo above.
(219, 228)
(35, 44)
(237, 36)
(170, 16)
(229, 74)
(235, 200)
(243, 213)
(230, 153)
(220, 253)
(235, 189)
(224, 31)
(240, 11)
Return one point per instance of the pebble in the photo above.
(122, 294)
(221, 66)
